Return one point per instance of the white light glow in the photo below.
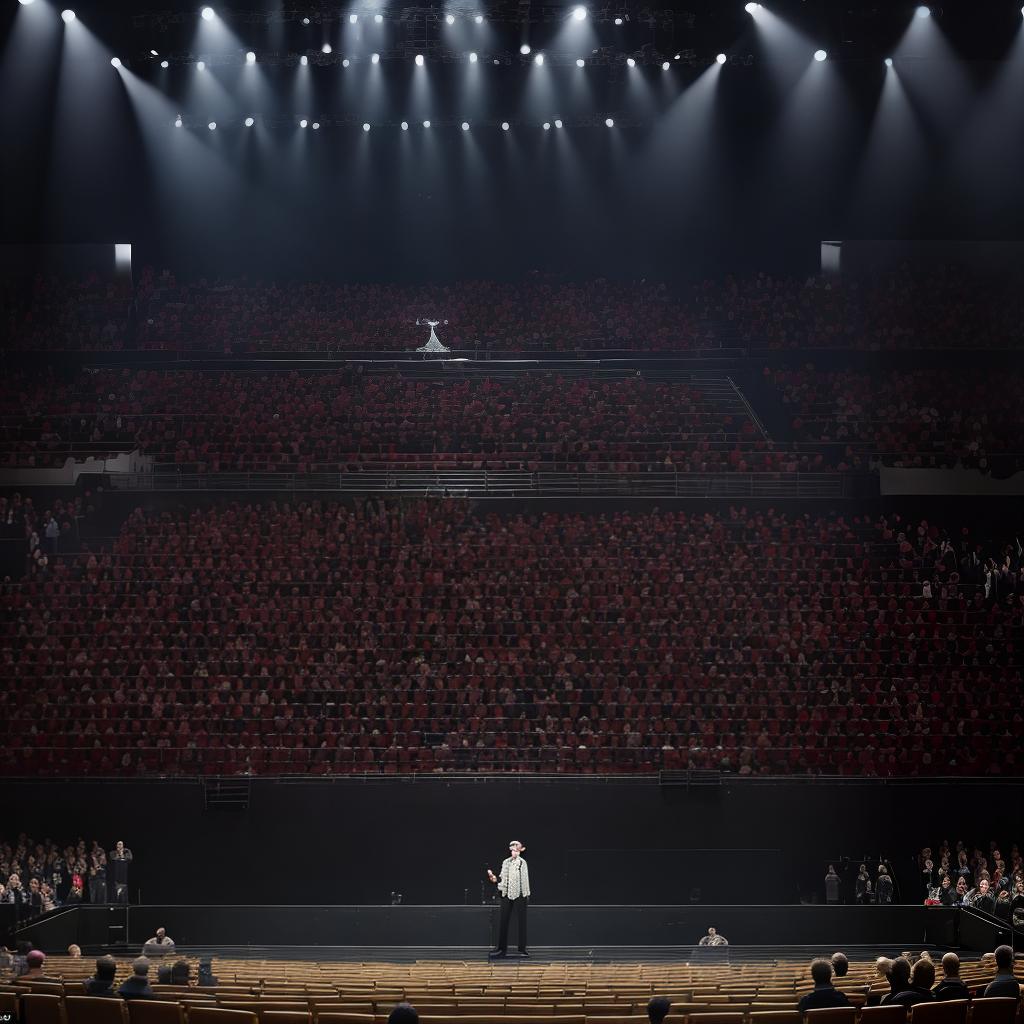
(375, 59)
(751, 7)
(177, 121)
(405, 126)
(450, 19)
(353, 18)
(304, 60)
(539, 59)
(888, 62)
(207, 13)
(249, 122)
(419, 60)
(547, 126)
(426, 124)
(366, 126)
(115, 62)
(316, 126)
(165, 63)
(479, 19)
(524, 49)
(303, 123)
(473, 58)
(212, 126)
(665, 65)
(250, 58)
(68, 16)
(579, 13)
(326, 48)
(201, 65)
(721, 58)
(630, 63)
(820, 55)
(609, 122)
(305, 21)
(378, 18)
(580, 62)
(618, 21)
(345, 63)
(24, 3)
(558, 122)
(923, 12)
(504, 126)
(465, 126)
(152, 53)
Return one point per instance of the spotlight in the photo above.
(751, 7)
(579, 13)
(405, 126)
(207, 13)
(316, 126)
(504, 126)
(326, 48)
(820, 55)
(177, 121)
(473, 58)
(665, 65)
(249, 122)
(212, 126)
(678, 56)
(24, 3)
(539, 59)
(379, 18)
(304, 60)
(345, 63)
(524, 49)
(609, 122)
(479, 19)
(923, 12)
(250, 58)
(152, 53)
(630, 63)
(558, 122)
(353, 18)
(426, 124)
(580, 62)
(115, 62)
(201, 65)
(618, 21)
(305, 21)
(366, 126)
(546, 126)
(721, 58)
(68, 16)
(888, 62)
(419, 60)
(375, 59)
(303, 123)
(465, 126)
(450, 19)
(165, 63)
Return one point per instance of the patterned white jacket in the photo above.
(515, 878)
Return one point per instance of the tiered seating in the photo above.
(263, 992)
(325, 638)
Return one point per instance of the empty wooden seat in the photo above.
(219, 1015)
(832, 1015)
(949, 1011)
(887, 1014)
(994, 1010)
(344, 1018)
(725, 1017)
(95, 1010)
(40, 1008)
(155, 1011)
(286, 1017)
(774, 1017)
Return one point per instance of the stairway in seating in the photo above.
(716, 388)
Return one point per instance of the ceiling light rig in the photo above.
(456, 124)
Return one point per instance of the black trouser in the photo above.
(506, 914)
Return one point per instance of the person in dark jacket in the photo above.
(1004, 983)
(102, 982)
(951, 987)
(899, 979)
(206, 979)
(922, 977)
(657, 1009)
(840, 964)
(824, 993)
(137, 986)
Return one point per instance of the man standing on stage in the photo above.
(514, 886)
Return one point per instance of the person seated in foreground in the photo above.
(173, 974)
(75, 951)
(206, 978)
(840, 965)
(404, 1013)
(102, 982)
(824, 994)
(922, 977)
(1004, 983)
(713, 939)
(899, 979)
(137, 986)
(951, 987)
(36, 960)
(657, 1009)
(161, 944)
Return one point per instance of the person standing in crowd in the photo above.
(885, 886)
(120, 858)
(98, 877)
(832, 885)
(951, 987)
(982, 899)
(862, 885)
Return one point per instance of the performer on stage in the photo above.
(514, 886)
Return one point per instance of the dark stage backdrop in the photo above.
(590, 842)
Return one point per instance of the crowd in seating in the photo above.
(921, 417)
(327, 637)
(897, 310)
(40, 876)
(333, 421)
(961, 876)
(46, 528)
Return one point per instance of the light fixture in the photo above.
(201, 65)
(609, 122)
(479, 19)
(419, 60)
(665, 65)
(304, 60)
(249, 122)
(504, 126)
(250, 58)
(68, 16)
(539, 59)
(207, 13)
(405, 126)
(345, 63)
(165, 63)
(303, 123)
(721, 58)
(630, 62)
(618, 21)
(524, 49)
(923, 11)
(115, 62)
(24, 3)
(375, 59)
(366, 126)
(426, 124)
(580, 62)
(579, 12)
(751, 7)
(305, 21)
(888, 62)
(450, 19)
(316, 126)
(547, 126)
(353, 18)
(378, 18)
(558, 122)
(152, 53)
(820, 55)
(326, 48)
(472, 58)
(465, 126)
(212, 126)
(177, 121)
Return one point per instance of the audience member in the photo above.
(899, 978)
(922, 977)
(102, 982)
(206, 978)
(824, 993)
(840, 964)
(36, 961)
(161, 944)
(951, 987)
(404, 1013)
(1004, 983)
(658, 1009)
(75, 951)
(713, 939)
(137, 986)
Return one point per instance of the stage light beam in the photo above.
(721, 58)
(473, 58)
(68, 16)
(326, 48)
(366, 126)
(539, 59)
(375, 59)
(579, 13)
(923, 11)
(609, 122)
(525, 49)
(820, 55)
(249, 122)
(250, 57)
(449, 19)
(580, 62)
(115, 62)
(419, 60)
(207, 13)
(465, 126)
